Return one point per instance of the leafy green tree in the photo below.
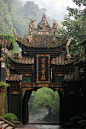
(45, 98)
(75, 22)
(80, 2)
(6, 25)
(31, 109)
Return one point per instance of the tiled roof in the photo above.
(14, 77)
(71, 77)
(22, 60)
(6, 42)
(81, 61)
(74, 76)
(44, 41)
(60, 61)
(42, 36)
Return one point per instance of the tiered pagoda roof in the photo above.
(43, 36)
(43, 41)
(40, 37)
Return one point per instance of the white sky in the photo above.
(53, 6)
(55, 2)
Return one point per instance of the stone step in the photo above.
(9, 127)
(5, 126)
(2, 122)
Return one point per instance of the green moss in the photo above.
(34, 36)
(3, 85)
(3, 102)
(7, 59)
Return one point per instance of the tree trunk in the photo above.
(50, 113)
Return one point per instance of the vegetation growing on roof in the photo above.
(7, 59)
(8, 37)
(4, 85)
(34, 36)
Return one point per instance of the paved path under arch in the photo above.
(38, 126)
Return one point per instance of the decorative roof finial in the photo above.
(31, 26)
(43, 24)
(55, 25)
(32, 20)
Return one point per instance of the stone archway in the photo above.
(25, 106)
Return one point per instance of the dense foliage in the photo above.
(45, 98)
(77, 121)
(8, 37)
(6, 25)
(4, 85)
(9, 117)
(80, 2)
(75, 22)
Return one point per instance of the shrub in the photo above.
(82, 123)
(74, 120)
(9, 117)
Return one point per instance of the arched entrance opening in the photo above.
(54, 111)
(44, 105)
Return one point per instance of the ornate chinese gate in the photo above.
(43, 63)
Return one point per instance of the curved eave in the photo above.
(75, 60)
(24, 42)
(6, 42)
(19, 61)
(69, 62)
(65, 39)
(80, 62)
(73, 80)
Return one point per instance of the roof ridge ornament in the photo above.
(55, 26)
(31, 26)
(68, 56)
(44, 25)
